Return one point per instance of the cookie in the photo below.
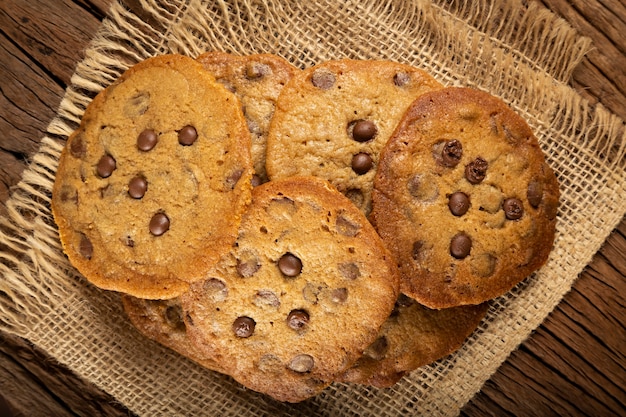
(413, 336)
(257, 81)
(464, 199)
(304, 292)
(333, 119)
(143, 183)
(162, 321)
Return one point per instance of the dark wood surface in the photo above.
(574, 364)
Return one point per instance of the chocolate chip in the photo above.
(247, 264)
(256, 70)
(460, 245)
(362, 130)
(422, 187)
(243, 326)
(77, 146)
(378, 349)
(233, 178)
(159, 224)
(256, 180)
(513, 208)
(476, 170)
(302, 363)
(417, 249)
(174, 316)
(451, 153)
(215, 289)
(297, 319)
(266, 298)
(106, 166)
(323, 79)
(362, 163)
(458, 203)
(137, 187)
(346, 226)
(312, 290)
(137, 105)
(349, 270)
(85, 248)
(147, 140)
(535, 193)
(290, 265)
(187, 135)
(339, 295)
(401, 79)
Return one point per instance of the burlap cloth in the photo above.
(514, 50)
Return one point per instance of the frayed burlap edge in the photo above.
(525, 61)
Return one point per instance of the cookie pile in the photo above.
(293, 228)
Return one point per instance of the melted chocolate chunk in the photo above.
(159, 224)
(513, 208)
(243, 326)
(535, 193)
(147, 140)
(137, 187)
(460, 245)
(451, 153)
(256, 180)
(187, 135)
(401, 79)
(233, 178)
(302, 363)
(85, 248)
(363, 130)
(458, 203)
(476, 170)
(362, 163)
(290, 265)
(323, 79)
(106, 166)
(297, 319)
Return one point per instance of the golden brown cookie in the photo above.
(162, 321)
(143, 184)
(333, 119)
(413, 336)
(256, 80)
(304, 292)
(464, 199)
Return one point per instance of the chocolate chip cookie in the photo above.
(464, 199)
(143, 184)
(256, 80)
(162, 321)
(413, 336)
(333, 119)
(305, 290)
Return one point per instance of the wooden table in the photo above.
(574, 364)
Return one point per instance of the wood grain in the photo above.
(574, 362)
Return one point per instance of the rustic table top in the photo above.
(573, 364)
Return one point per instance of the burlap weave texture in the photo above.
(516, 51)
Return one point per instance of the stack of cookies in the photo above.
(293, 228)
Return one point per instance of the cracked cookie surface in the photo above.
(143, 183)
(464, 199)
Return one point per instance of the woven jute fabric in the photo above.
(512, 49)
